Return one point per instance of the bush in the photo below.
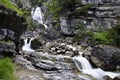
(115, 35)
(83, 9)
(7, 70)
(57, 7)
(54, 8)
(32, 25)
(102, 37)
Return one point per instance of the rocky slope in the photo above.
(11, 26)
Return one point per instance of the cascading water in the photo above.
(26, 46)
(38, 16)
(83, 65)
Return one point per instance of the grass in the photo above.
(8, 4)
(7, 70)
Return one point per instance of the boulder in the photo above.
(7, 49)
(53, 33)
(117, 78)
(36, 43)
(65, 26)
(105, 57)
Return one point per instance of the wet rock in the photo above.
(117, 78)
(105, 57)
(69, 53)
(107, 78)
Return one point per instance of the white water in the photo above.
(83, 65)
(26, 46)
(38, 16)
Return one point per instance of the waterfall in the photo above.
(26, 46)
(38, 16)
(85, 67)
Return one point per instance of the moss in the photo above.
(7, 69)
(8, 4)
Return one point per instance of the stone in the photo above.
(53, 33)
(36, 43)
(65, 28)
(107, 78)
(69, 53)
(105, 57)
(24, 73)
(117, 78)
(7, 49)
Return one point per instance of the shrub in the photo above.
(115, 35)
(54, 8)
(32, 25)
(82, 9)
(102, 37)
(80, 31)
(7, 70)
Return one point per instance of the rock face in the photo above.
(65, 26)
(105, 57)
(11, 25)
(7, 49)
(105, 13)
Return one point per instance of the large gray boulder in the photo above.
(7, 49)
(105, 57)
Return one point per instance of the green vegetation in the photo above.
(115, 35)
(111, 36)
(8, 4)
(36, 2)
(107, 37)
(80, 29)
(7, 70)
(54, 8)
(58, 7)
(83, 9)
(31, 24)
(102, 37)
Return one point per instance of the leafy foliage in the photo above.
(80, 30)
(115, 35)
(102, 37)
(111, 36)
(55, 8)
(7, 70)
(8, 4)
(83, 9)
(58, 7)
(31, 24)
(35, 2)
